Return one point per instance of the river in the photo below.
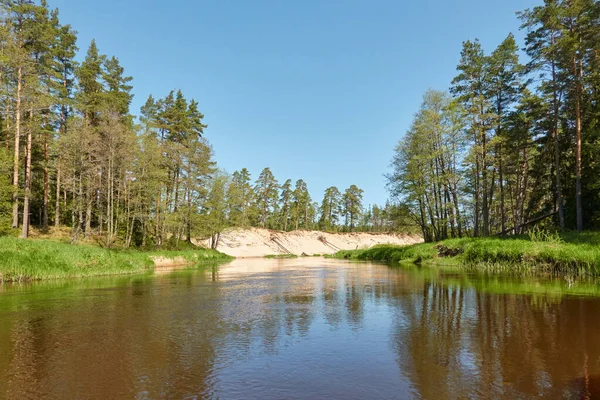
(307, 328)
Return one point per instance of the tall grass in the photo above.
(389, 253)
(45, 259)
(565, 254)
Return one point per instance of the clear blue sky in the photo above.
(315, 89)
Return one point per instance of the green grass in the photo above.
(570, 253)
(389, 253)
(22, 260)
(278, 256)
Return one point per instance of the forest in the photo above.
(516, 139)
(73, 155)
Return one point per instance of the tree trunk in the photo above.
(7, 112)
(486, 209)
(88, 214)
(46, 185)
(63, 131)
(57, 206)
(74, 233)
(109, 196)
(157, 231)
(477, 191)
(26, 199)
(189, 212)
(578, 145)
(15, 223)
(501, 181)
(559, 201)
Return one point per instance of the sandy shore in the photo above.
(254, 242)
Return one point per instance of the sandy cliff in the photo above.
(255, 242)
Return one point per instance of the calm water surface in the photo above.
(300, 329)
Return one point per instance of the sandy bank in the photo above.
(254, 242)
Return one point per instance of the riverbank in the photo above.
(256, 242)
(23, 260)
(565, 254)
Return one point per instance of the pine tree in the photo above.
(543, 35)
(118, 96)
(266, 192)
(21, 15)
(505, 85)
(89, 103)
(330, 209)
(285, 200)
(215, 210)
(352, 205)
(300, 203)
(239, 198)
(469, 87)
(64, 51)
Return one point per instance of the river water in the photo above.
(300, 329)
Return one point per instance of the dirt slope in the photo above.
(253, 242)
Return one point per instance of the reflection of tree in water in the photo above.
(173, 336)
(354, 305)
(264, 310)
(163, 336)
(454, 342)
(135, 339)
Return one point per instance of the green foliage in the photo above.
(239, 198)
(331, 209)
(301, 203)
(352, 206)
(425, 178)
(285, 201)
(266, 191)
(214, 216)
(516, 143)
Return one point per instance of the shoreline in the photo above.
(575, 255)
(43, 259)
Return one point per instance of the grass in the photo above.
(391, 254)
(278, 256)
(22, 260)
(568, 253)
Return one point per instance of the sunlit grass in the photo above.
(22, 260)
(574, 254)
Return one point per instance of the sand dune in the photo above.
(254, 242)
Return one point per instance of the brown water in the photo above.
(306, 328)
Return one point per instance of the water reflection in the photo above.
(305, 328)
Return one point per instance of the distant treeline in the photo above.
(236, 201)
(72, 154)
(513, 142)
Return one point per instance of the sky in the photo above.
(315, 89)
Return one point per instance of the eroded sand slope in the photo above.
(253, 242)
